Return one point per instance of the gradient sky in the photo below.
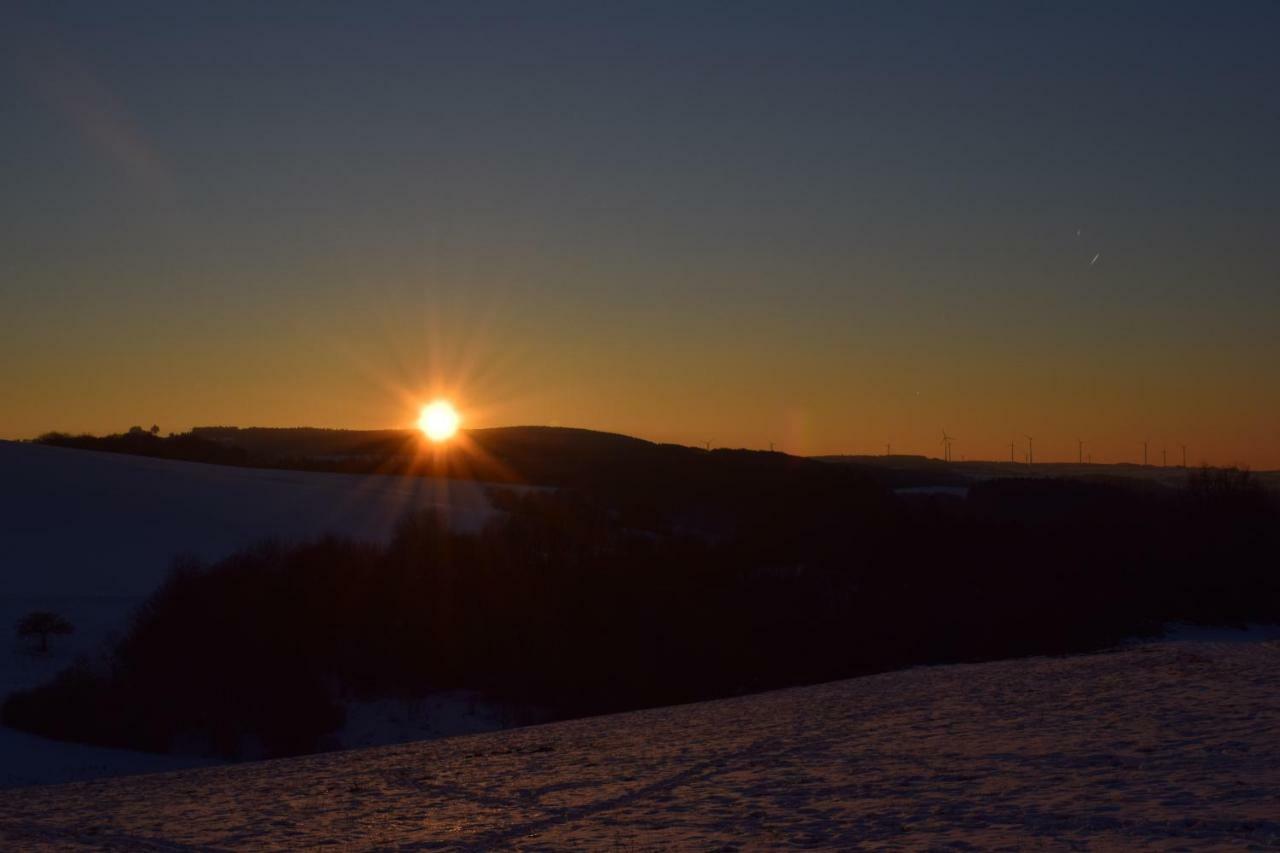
(830, 226)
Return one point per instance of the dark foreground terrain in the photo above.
(655, 576)
(1170, 745)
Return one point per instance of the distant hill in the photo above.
(654, 484)
(526, 454)
(662, 485)
(702, 487)
(592, 460)
(900, 471)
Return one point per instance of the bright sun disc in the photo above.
(439, 420)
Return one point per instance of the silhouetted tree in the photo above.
(43, 624)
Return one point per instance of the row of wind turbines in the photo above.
(1081, 459)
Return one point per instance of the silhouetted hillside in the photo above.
(138, 442)
(746, 573)
(560, 456)
(901, 471)
(269, 444)
(650, 484)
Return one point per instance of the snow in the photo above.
(32, 760)
(89, 535)
(85, 523)
(443, 714)
(1166, 744)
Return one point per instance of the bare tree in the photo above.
(43, 624)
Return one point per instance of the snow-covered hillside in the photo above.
(89, 535)
(88, 523)
(1170, 744)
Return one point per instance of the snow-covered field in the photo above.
(75, 521)
(89, 535)
(1169, 745)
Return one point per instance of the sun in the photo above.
(439, 420)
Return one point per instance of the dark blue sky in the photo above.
(828, 225)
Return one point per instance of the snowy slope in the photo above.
(89, 535)
(1165, 745)
(74, 521)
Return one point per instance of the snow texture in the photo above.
(1167, 745)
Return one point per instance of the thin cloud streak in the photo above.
(101, 120)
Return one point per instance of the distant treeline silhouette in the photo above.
(575, 601)
(140, 442)
(552, 456)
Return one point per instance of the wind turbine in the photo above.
(1011, 459)
(1079, 451)
(946, 446)
(1031, 451)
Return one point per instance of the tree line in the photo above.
(581, 601)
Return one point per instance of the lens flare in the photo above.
(439, 420)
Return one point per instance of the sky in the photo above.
(836, 227)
